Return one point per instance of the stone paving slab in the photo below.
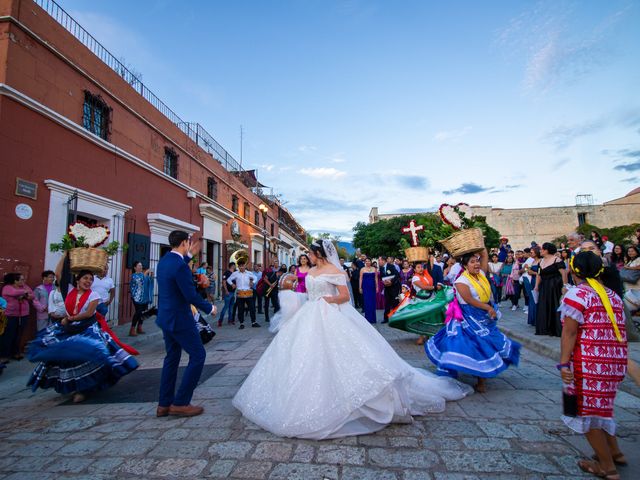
(511, 432)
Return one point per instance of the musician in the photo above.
(271, 295)
(244, 293)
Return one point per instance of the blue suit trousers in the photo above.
(189, 341)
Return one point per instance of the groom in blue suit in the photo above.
(176, 294)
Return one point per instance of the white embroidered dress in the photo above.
(328, 373)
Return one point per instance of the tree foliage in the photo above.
(342, 252)
(623, 234)
(384, 237)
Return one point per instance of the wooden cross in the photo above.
(413, 229)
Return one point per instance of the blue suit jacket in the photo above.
(176, 294)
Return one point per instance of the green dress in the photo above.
(424, 314)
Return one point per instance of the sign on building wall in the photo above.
(25, 188)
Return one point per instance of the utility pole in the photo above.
(241, 138)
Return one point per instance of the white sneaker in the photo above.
(514, 308)
(525, 310)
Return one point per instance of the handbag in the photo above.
(629, 276)
(203, 281)
(205, 330)
(3, 322)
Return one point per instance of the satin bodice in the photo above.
(301, 287)
(324, 285)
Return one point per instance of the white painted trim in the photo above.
(38, 107)
(109, 211)
(161, 225)
(56, 186)
(215, 213)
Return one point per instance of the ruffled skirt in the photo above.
(88, 361)
(473, 345)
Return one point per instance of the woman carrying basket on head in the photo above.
(79, 354)
(470, 342)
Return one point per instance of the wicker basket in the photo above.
(463, 242)
(417, 254)
(93, 259)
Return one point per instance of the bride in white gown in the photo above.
(328, 373)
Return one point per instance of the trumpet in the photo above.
(269, 290)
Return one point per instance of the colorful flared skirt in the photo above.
(473, 345)
(88, 361)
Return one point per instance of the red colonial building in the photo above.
(82, 138)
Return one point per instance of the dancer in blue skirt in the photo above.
(471, 342)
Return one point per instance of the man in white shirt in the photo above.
(103, 285)
(244, 293)
(607, 246)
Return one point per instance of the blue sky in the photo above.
(352, 104)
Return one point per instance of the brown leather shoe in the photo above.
(162, 411)
(185, 410)
(139, 330)
(132, 332)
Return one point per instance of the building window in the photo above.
(272, 229)
(246, 211)
(234, 203)
(171, 162)
(96, 115)
(256, 217)
(582, 219)
(212, 188)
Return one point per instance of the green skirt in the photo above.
(425, 314)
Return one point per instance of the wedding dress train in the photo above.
(328, 373)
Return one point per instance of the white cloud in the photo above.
(307, 148)
(337, 160)
(268, 167)
(322, 172)
(558, 43)
(115, 37)
(445, 136)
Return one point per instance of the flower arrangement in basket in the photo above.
(81, 242)
(468, 238)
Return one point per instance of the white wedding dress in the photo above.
(328, 373)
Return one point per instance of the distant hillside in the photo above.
(348, 246)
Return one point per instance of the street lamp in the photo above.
(263, 208)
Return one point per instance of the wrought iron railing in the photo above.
(195, 131)
(205, 141)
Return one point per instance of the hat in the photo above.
(605, 238)
(504, 238)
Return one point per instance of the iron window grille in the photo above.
(96, 115)
(247, 211)
(212, 188)
(234, 204)
(171, 162)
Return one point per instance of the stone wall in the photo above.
(522, 225)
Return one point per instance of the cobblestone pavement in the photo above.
(511, 432)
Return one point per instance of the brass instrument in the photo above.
(239, 256)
